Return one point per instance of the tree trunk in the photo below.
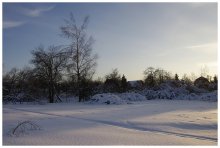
(78, 71)
(79, 91)
(51, 89)
(50, 95)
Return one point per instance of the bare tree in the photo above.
(186, 79)
(156, 76)
(149, 71)
(113, 75)
(48, 66)
(160, 75)
(193, 76)
(82, 62)
(204, 71)
(149, 76)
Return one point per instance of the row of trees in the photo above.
(155, 76)
(50, 82)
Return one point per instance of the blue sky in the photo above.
(179, 37)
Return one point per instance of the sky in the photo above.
(178, 37)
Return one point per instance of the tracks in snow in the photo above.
(124, 125)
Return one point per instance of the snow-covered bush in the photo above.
(209, 96)
(194, 89)
(149, 94)
(106, 98)
(165, 94)
(132, 96)
(160, 94)
(171, 90)
(212, 96)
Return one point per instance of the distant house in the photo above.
(202, 82)
(136, 84)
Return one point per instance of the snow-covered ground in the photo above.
(150, 122)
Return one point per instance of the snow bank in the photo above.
(160, 94)
(132, 96)
(212, 96)
(175, 94)
(209, 96)
(106, 98)
(123, 98)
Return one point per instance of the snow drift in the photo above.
(132, 96)
(106, 98)
(110, 98)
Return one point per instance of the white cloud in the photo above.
(206, 48)
(197, 4)
(37, 11)
(201, 45)
(29, 12)
(12, 24)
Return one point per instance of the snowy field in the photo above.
(151, 122)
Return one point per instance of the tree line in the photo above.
(69, 69)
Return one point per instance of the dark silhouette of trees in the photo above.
(153, 77)
(161, 75)
(112, 81)
(149, 77)
(10, 80)
(186, 79)
(48, 67)
(81, 62)
(22, 86)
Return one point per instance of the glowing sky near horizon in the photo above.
(178, 37)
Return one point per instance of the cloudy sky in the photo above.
(179, 37)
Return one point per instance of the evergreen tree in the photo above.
(124, 83)
(215, 79)
(176, 77)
